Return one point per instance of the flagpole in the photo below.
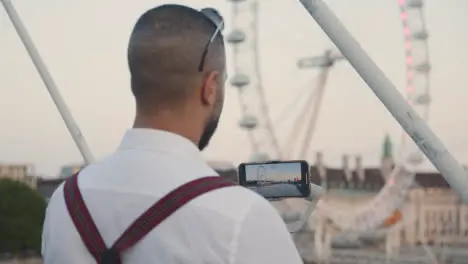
(387, 93)
(49, 82)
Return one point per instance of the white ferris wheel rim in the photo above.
(393, 195)
(416, 42)
(370, 217)
(261, 135)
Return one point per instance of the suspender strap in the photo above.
(142, 225)
(82, 218)
(165, 207)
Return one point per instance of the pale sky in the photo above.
(84, 43)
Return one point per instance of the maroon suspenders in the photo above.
(142, 226)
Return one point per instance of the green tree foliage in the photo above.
(22, 211)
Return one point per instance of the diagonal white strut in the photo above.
(410, 121)
(49, 82)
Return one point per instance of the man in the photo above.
(178, 84)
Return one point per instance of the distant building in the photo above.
(433, 213)
(47, 186)
(436, 213)
(18, 172)
(68, 170)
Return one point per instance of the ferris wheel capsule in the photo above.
(414, 3)
(240, 80)
(236, 36)
(420, 35)
(248, 122)
(423, 67)
(422, 99)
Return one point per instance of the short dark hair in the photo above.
(164, 53)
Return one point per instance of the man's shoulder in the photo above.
(58, 193)
(234, 202)
(56, 200)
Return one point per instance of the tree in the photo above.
(22, 211)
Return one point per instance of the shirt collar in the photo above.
(158, 140)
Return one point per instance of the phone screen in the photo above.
(276, 180)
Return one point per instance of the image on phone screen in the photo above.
(276, 179)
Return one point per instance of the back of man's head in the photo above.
(165, 50)
(177, 67)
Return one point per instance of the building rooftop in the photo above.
(335, 178)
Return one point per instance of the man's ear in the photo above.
(208, 91)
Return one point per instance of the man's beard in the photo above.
(212, 123)
(210, 129)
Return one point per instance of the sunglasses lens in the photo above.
(214, 16)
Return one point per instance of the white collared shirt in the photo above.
(231, 225)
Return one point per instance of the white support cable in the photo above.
(395, 103)
(49, 82)
(316, 107)
(297, 127)
(296, 101)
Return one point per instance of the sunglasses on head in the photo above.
(218, 21)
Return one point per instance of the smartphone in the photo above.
(276, 179)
